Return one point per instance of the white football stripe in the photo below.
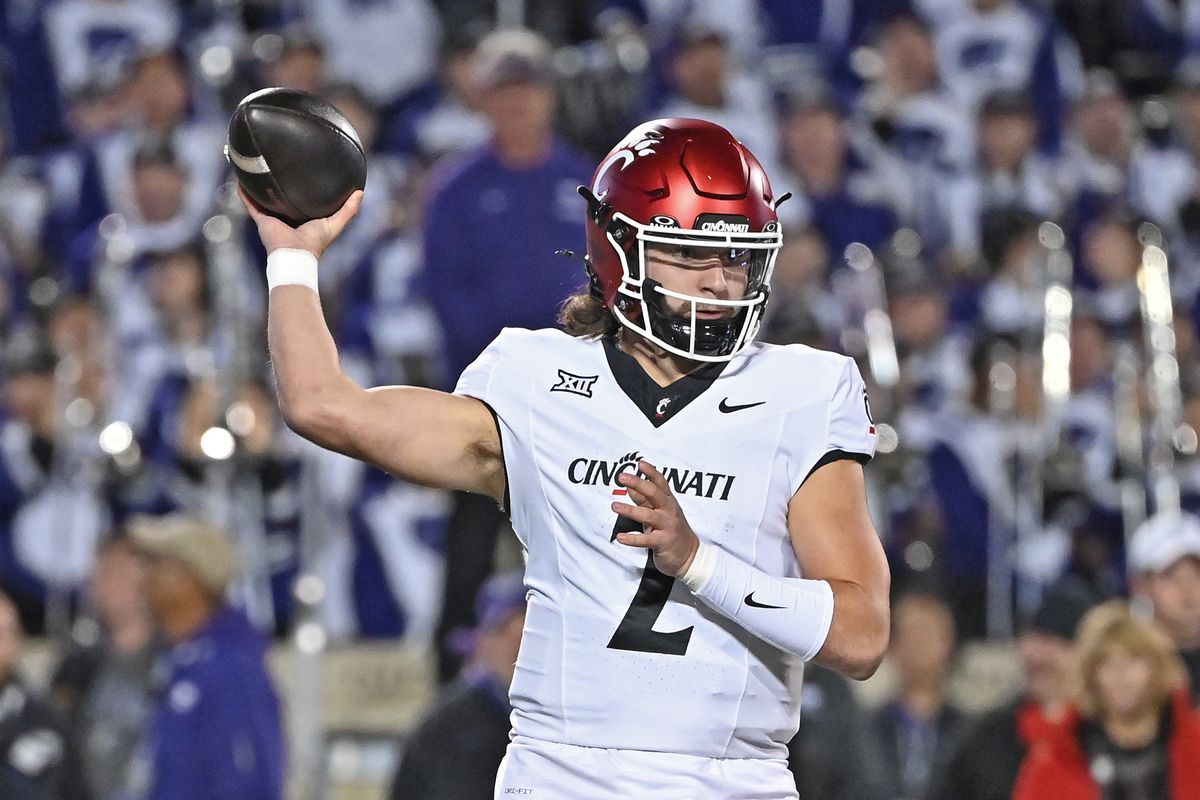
(256, 165)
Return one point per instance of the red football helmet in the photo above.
(681, 183)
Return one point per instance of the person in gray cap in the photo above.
(216, 733)
(1164, 568)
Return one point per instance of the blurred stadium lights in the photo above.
(116, 437)
(310, 589)
(240, 418)
(218, 229)
(310, 637)
(80, 412)
(216, 62)
(217, 443)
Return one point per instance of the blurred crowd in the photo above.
(966, 143)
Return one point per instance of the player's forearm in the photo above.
(308, 378)
(808, 618)
(858, 635)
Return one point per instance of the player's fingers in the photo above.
(647, 540)
(651, 494)
(654, 476)
(643, 514)
(349, 208)
(637, 496)
(255, 213)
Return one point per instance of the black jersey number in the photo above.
(636, 629)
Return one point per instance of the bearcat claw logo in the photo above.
(637, 145)
(594, 472)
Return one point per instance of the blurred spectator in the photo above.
(258, 487)
(1109, 257)
(933, 358)
(525, 180)
(293, 59)
(389, 179)
(216, 733)
(844, 188)
(828, 753)
(1131, 732)
(93, 43)
(972, 452)
(985, 763)
(1012, 301)
(1116, 168)
(454, 752)
(160, 114)
(1008, 175)
(708, 84)
(992, 45)
(51, 513)
(804, 310)
(40, 759)
(739, 23)
(443, 117)
(157, 217)
(914, 731)
(908, 107)
(388, 332)
(104, 683)
(491, 228)
(360, 43)
(1164, 567)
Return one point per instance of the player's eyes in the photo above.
(738, 257)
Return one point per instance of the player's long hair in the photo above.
(581, 314)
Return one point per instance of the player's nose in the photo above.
(713, 280)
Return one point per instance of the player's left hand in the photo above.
(665, 530)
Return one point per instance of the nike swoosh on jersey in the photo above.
(750, 601)
(728, 409)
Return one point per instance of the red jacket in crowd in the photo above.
(1057, 768)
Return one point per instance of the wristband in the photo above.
(794, 614)
(701, 568)
(289, 266)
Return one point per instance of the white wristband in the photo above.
(701, 568)
(794, 614)
(289, 266)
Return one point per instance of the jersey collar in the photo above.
(658, 403)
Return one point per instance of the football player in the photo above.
(691, 502)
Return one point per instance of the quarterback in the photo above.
(691, 502)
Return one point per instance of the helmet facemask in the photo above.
(643, 304)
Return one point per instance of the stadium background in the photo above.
(956, 167)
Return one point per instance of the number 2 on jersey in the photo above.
(636, 629)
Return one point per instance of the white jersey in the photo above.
(614, 653)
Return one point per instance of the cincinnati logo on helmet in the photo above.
(596, 472)
(723, 223)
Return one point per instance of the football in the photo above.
(295, 155)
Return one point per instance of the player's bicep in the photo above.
(428, 437)
(831, 529)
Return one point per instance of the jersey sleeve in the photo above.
(851, 430)
(477, 381)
